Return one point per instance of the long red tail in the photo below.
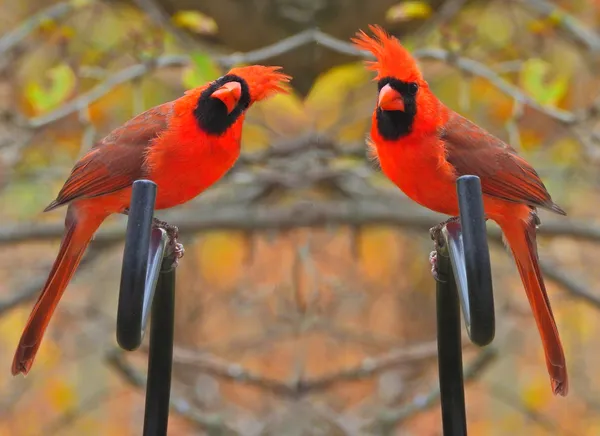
(521, 237)
(78, 233)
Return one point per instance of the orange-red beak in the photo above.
(229, 94)
(390, 99)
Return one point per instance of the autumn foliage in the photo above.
(304, 300)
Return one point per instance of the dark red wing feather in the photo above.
(503, 174)
(115, 162)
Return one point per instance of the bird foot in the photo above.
(436, 235)
(173, 233)
(433, 262)
(435, 231)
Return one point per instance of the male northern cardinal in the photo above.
(184, 146)
(423, 147)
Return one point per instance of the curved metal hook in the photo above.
(142, 258)
(470, 259)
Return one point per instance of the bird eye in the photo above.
(413, 88)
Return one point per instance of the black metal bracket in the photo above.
(148, 283)
(464, 280)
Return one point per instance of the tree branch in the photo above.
(31, 24)
(31, 289)
(569, 282)
(571, 25)
(389, 419)
(212, 215)
(302, 386)
(288, 44)
(212, 423)
(124, 76)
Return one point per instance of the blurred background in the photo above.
(305, 304)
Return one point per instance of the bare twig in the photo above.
(302, 386)
(305, 37)
(124, 76)
(280, 47)
(389, 419)
(569, 282)
(514, 401)
(212, 423)
(443, 15)
(162, 19)
(32, 288)
(479, 69)
(31, 24)
(355, 212)
(571, 25)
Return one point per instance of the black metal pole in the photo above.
(452, 395)
(160, 356)
(148, 284)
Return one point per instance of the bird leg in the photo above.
(436, 234)
(173, 233)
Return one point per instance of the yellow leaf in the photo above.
(48, 25)
(283, 114)
(566, 152)
(254, 137)
(61, 395)
(61, 84)
(541, 25)
(536, 394)
(196, 22)
(496, 27)
(355, 131)
(220, 257)
(546, 88)
(407, 11)
(80, 3)
(379, 254)
(334, 91)
(530, 139)
(11, 324)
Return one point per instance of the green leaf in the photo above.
(536, 82)
(202, 70)
(61, 83)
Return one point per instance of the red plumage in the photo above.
(423, 147)
(184, 146)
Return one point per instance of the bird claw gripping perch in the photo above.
(433, 262)
(174, 246)
(434, 232)
(436, 235)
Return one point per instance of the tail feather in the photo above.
(78, 233)
(521, 237)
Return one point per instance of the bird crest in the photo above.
(262, 81)
(391, 59)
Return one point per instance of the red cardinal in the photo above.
(184, 146)
(423, 147)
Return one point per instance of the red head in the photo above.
(405, 104)
(220, 104)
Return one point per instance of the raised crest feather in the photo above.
(391, 59)
(263, 81)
